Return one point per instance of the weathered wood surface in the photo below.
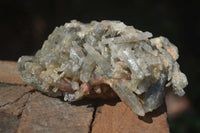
(23, 109)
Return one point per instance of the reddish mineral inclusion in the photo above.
(105, 59)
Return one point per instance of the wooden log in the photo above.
(24, 109)
(119, 118)
(9, 73)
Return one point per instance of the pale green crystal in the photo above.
(102, 59)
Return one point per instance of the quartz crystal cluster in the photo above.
(104, 60)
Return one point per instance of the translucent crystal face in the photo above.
(105, 59)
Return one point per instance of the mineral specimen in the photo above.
(105, 59)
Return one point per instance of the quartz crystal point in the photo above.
(104, 60)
